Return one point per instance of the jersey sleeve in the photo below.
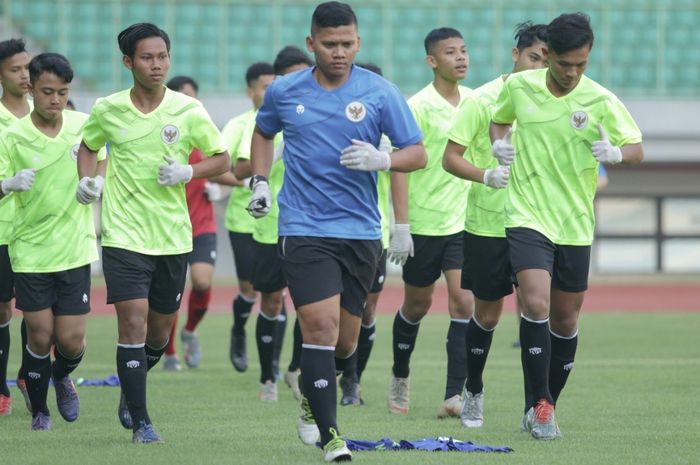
(398, 121)
(244, 147)
(232, 138)
(102, 153)
(5, 163)
(204, 134)
(505, 110)
(467, 124)
(268, 119)
(620, 126)
(93, 134)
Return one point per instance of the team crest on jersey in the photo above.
(579, 120)
(355, 111)
(74, 152)
(170, 134)
(300, 109)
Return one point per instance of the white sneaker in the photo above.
(291, 379)
(450, 407)
(171, 363)
(472, 415)
(399, 392)
(306, 424)
(192, 350)
(268, 391)
(336, 450)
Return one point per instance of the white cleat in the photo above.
(472, 415)
(306, 425)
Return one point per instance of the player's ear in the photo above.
(310, 44)
(128, 64)
(430, 60)
(515, 54)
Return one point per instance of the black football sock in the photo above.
(241, 311)
(456, 347)
(132, 371)
(318, 368)
(365, 344)
(265, 329)
(478, 346)
(404, 340)
(535, 353)
(153, 355)
(38, 375)
(63, 366)
(296, 347)
(563, 354)
(281, 328)
(22, 373)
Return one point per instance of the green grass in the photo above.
(632, 399)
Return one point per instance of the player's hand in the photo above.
(503, 150)
(173, 173)
(604, 151)
(364, 156)
(89, 189)
(20, 182)
(385, 145)
(212, 191)
(261, 200)
(497, 177)
(400, 245)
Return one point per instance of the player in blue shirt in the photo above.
(332, 117)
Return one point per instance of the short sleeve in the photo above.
(620, 126)
(268, 119)
(94, 136)
(244, 148)
(467, 123)
(398, 121)
(505, 110)
(5, 164)
(204, 134)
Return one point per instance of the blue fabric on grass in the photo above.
(439, 444)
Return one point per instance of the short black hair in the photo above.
(436, 35)
(290, 56)
(332, 14)
(371, 67)
(178, 82)
(527, 33)
(10, 48)
(130, 36)
(50, 63)
(256, 70)
(569, 31)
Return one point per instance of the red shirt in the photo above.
(201, 209)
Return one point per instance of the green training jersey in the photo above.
(437, 201)
(554, 174)
(383, 199)
(237, 218)
(7, 208)
(52, 231)
(470, 129)
(138, 214)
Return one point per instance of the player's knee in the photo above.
(71, 345)
(246, 288)
(487, 320)
(201, 282)
(39, 340)
(535, 306)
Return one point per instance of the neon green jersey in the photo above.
(553, 177)
(7, 208)
(138, 214)
(437, 201)
(383, 199)
(470, 129)
(237, 218)
(52, 231)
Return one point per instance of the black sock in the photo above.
(265, 338)
(63, 366)
(456, 348)
(153, 355)
(22, 373)
(38, 374)
(349, 366)
(296, 347)
(131, 368)
(4, 357)
(281, 328)
(478, 346)
(320, 389)
(563, 353)
(535, 353)
(241, 312)
(404, 336)
(364, 347)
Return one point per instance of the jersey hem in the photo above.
(145, 251)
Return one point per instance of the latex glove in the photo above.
(400, 245)
(503, 150)
(89, 189)
(497, 177)
(385, 145)
(277, 154)
(212, 191)
(20, 182)
(604, 151)
(261, 200)
(364, 156)
(173, 173)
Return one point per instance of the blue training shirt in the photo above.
(320, 197)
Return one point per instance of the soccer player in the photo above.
(566, 125)
(486, 270)
(268, 278)
(332, 117)
(14, 77)
(240, 226)
(146, 231)
(437, 204)
(53, 239)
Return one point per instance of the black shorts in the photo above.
(379, 275)
(203, 249)
(243, 247)
(317, 268)
(267, 269)
(567, 264)
(7, 277)
(486, 270)
(432, 255)
(132, 275)
(64, 292)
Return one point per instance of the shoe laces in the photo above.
(336, 441)
(399, 389)
(472, 406)
(306, 413)
(543, 411)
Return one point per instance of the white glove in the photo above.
(497, 177)
(261, 200)
(212, 191)
(20, 182)
(89, 189)
(385, 145)
(400, 245)
(604, 151)
(364, 156)
(503, 150)
(173, 173)
(277, 154)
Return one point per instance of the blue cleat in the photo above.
(67, 398)
(124, 414)
(146, 434)
(41, 422)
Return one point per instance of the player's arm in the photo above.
(87, 161)
(401, 241)
(91, 174)
(632, 153)
(228, 179)
(243, 168)
(217, 164)
(453, 162)
(605, 152)
(21, 181)
(410, 158)
(262, 149)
